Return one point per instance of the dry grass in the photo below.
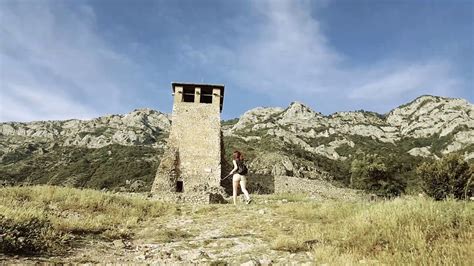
(409, 231)
(401, 231)
(290, 197)
(74, 212)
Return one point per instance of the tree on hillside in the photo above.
(371, 174)
(451, 176)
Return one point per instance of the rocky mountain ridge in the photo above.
(425, 117)
(293, 141)
(140, 127)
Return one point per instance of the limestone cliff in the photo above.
(427, 117)
(140, 127)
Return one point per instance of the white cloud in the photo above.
(28, 104)
(396, 80)
(289, 52)
(52, 58)
(54, 64)
(288, 56)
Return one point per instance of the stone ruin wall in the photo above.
(196, 134)
(193, 155)
(269, 184)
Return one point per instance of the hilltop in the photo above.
(65, 225)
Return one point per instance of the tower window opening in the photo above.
(206, 95)
(179, 186)
(188, 95)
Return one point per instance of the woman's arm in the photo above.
(235, 167)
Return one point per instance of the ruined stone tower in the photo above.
(190, 169)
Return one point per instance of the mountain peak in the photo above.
(425, 99)
(297, 104)
(298, 110)
(147, 111)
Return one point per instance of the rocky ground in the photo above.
(204, 237)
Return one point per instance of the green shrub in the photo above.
(449, 177)
(29, 236)
(229, 122)
(106, 167)
(371, 173)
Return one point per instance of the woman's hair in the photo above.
(238, 155)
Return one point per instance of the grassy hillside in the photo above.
(276, 228)
(108, 167)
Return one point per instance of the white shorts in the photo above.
(238, 177)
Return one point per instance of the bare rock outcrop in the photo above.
(140, 127)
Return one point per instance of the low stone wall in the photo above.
(289, 184)
(268, 184)
(317, 189)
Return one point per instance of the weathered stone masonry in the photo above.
(191, 165)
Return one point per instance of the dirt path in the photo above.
(205, 234)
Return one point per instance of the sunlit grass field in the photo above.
(414, 231)
(48, 220)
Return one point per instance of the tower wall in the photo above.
(193, 157)
(196, 133)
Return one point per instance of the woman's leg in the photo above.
(243, 183)
(235, 187)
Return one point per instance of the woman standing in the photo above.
(237, 179)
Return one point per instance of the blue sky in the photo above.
(83, 59)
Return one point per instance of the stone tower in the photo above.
(190, 169)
